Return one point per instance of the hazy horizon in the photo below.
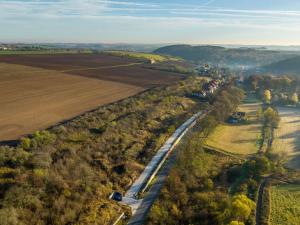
(197, 22)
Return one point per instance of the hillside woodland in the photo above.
(289, 66)
(225, 56)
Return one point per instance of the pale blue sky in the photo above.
(151, 21)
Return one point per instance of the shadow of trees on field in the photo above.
(291, 117)
(294, 121)
(253, 140)
(294, 135)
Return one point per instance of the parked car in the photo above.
(117, 196)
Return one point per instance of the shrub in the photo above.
(13, 157)
(25, 143)
(9, 216)
(41, 138)
(242, 207)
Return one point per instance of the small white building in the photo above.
(152, 61)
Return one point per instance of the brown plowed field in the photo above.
(100, 66)
(134, 75)
(65, 61)
(38, 91)
(33, 101)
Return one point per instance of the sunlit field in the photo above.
(285, 208)
(287, 136)
(240, 138)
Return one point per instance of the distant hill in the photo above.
(81, 46)
(288, 66)
(231, 57)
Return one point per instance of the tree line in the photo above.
(198, 188)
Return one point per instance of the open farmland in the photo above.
(285, 209)
(32, 100)
(287, 136)
(37, 91)
(100, 66)
(240, 138)
(65, 61)
(135, 75)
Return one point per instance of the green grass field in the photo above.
(142, 56)
(240, 138)
(285, 207)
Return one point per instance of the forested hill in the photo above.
(288, 66)
(231, 57)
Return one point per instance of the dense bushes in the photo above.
(65, 175)
(196, 191)
(189, 194)
(226, 102)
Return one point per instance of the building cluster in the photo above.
(204, 70)
(212, 71)
(209, 88)
(5, 47)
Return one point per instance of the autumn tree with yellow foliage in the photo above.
(267, 96)
(295, 98)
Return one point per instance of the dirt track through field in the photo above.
(287, 136)
(81, 69)
(33, 101)
(100, 67)
(259, 204)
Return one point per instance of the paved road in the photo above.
(144, 207)
(156, 162)
(140, 208)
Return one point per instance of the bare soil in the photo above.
(38, 91)
(33, 100)
(100, 66)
